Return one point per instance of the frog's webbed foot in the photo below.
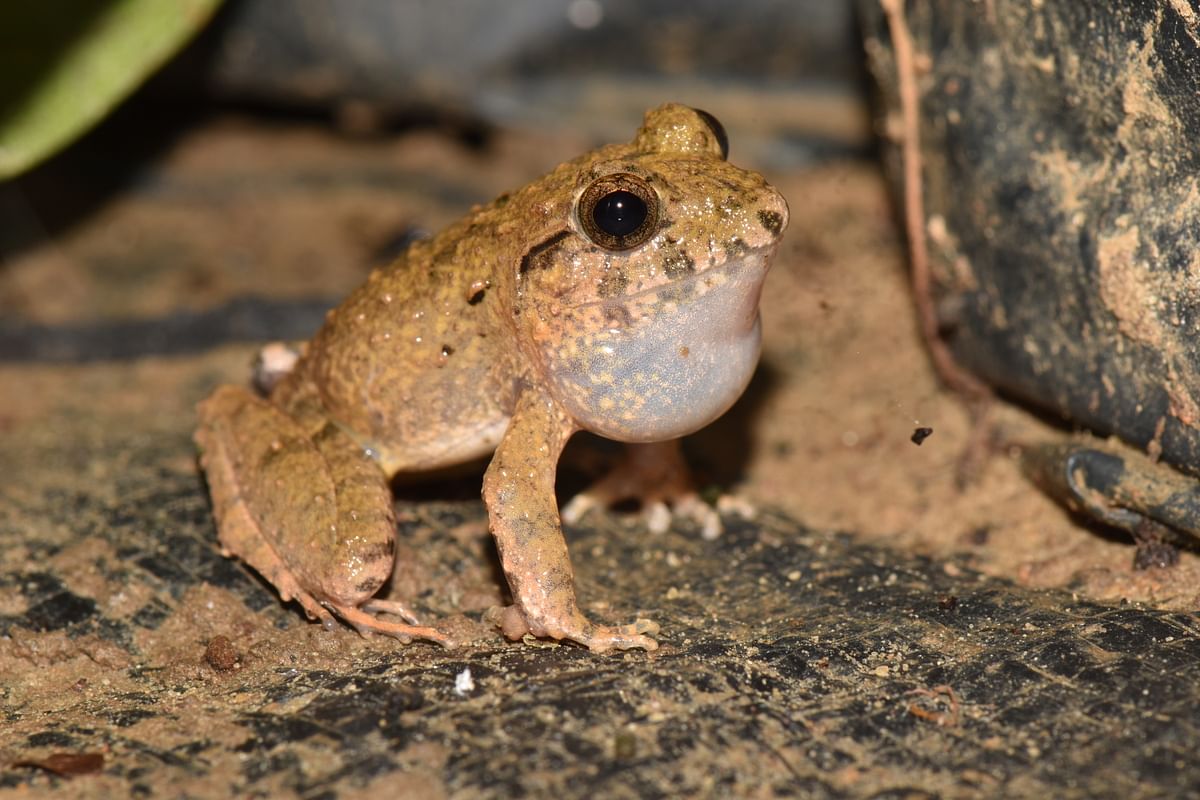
(656, 475)
(240, 525)
(365, 620)
(576, 628)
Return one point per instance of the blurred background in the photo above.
(206, 111)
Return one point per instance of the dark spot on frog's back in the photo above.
(771, 221)
(541, 255)
(730, 206)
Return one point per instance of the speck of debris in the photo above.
(979, 535)
(464, 684)
(625, 746)
(220, 654)
(66, 764)
(948, 602)
(920, 435)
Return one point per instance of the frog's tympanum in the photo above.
(618, 294)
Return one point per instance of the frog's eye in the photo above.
(618, 211)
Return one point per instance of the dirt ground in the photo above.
(231, 208)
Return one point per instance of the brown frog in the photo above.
(618, 294)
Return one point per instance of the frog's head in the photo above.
(641, 302)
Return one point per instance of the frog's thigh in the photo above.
(312, 515)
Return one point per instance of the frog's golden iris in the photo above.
(618, 211)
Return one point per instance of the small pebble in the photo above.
(220, 654)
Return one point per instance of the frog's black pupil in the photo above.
(619, 213)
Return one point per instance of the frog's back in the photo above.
(414, 363)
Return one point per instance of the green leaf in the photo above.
(64, 64)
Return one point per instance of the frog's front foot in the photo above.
(656, 476)
(598, 638)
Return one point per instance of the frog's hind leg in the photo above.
(310, 512)
(366, 518)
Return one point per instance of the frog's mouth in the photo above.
(665, 361)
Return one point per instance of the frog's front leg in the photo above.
(523, 513)
(305, 507)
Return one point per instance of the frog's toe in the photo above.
(690, 506)
(1113, 484)
(393, 607)
(657, 517)
(598, 638)
(367, 623)
(288, 590)
(275, 361)
(578, 507)
(634, 636)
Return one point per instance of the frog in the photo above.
(618, 294)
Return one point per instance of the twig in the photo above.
(947, 368)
